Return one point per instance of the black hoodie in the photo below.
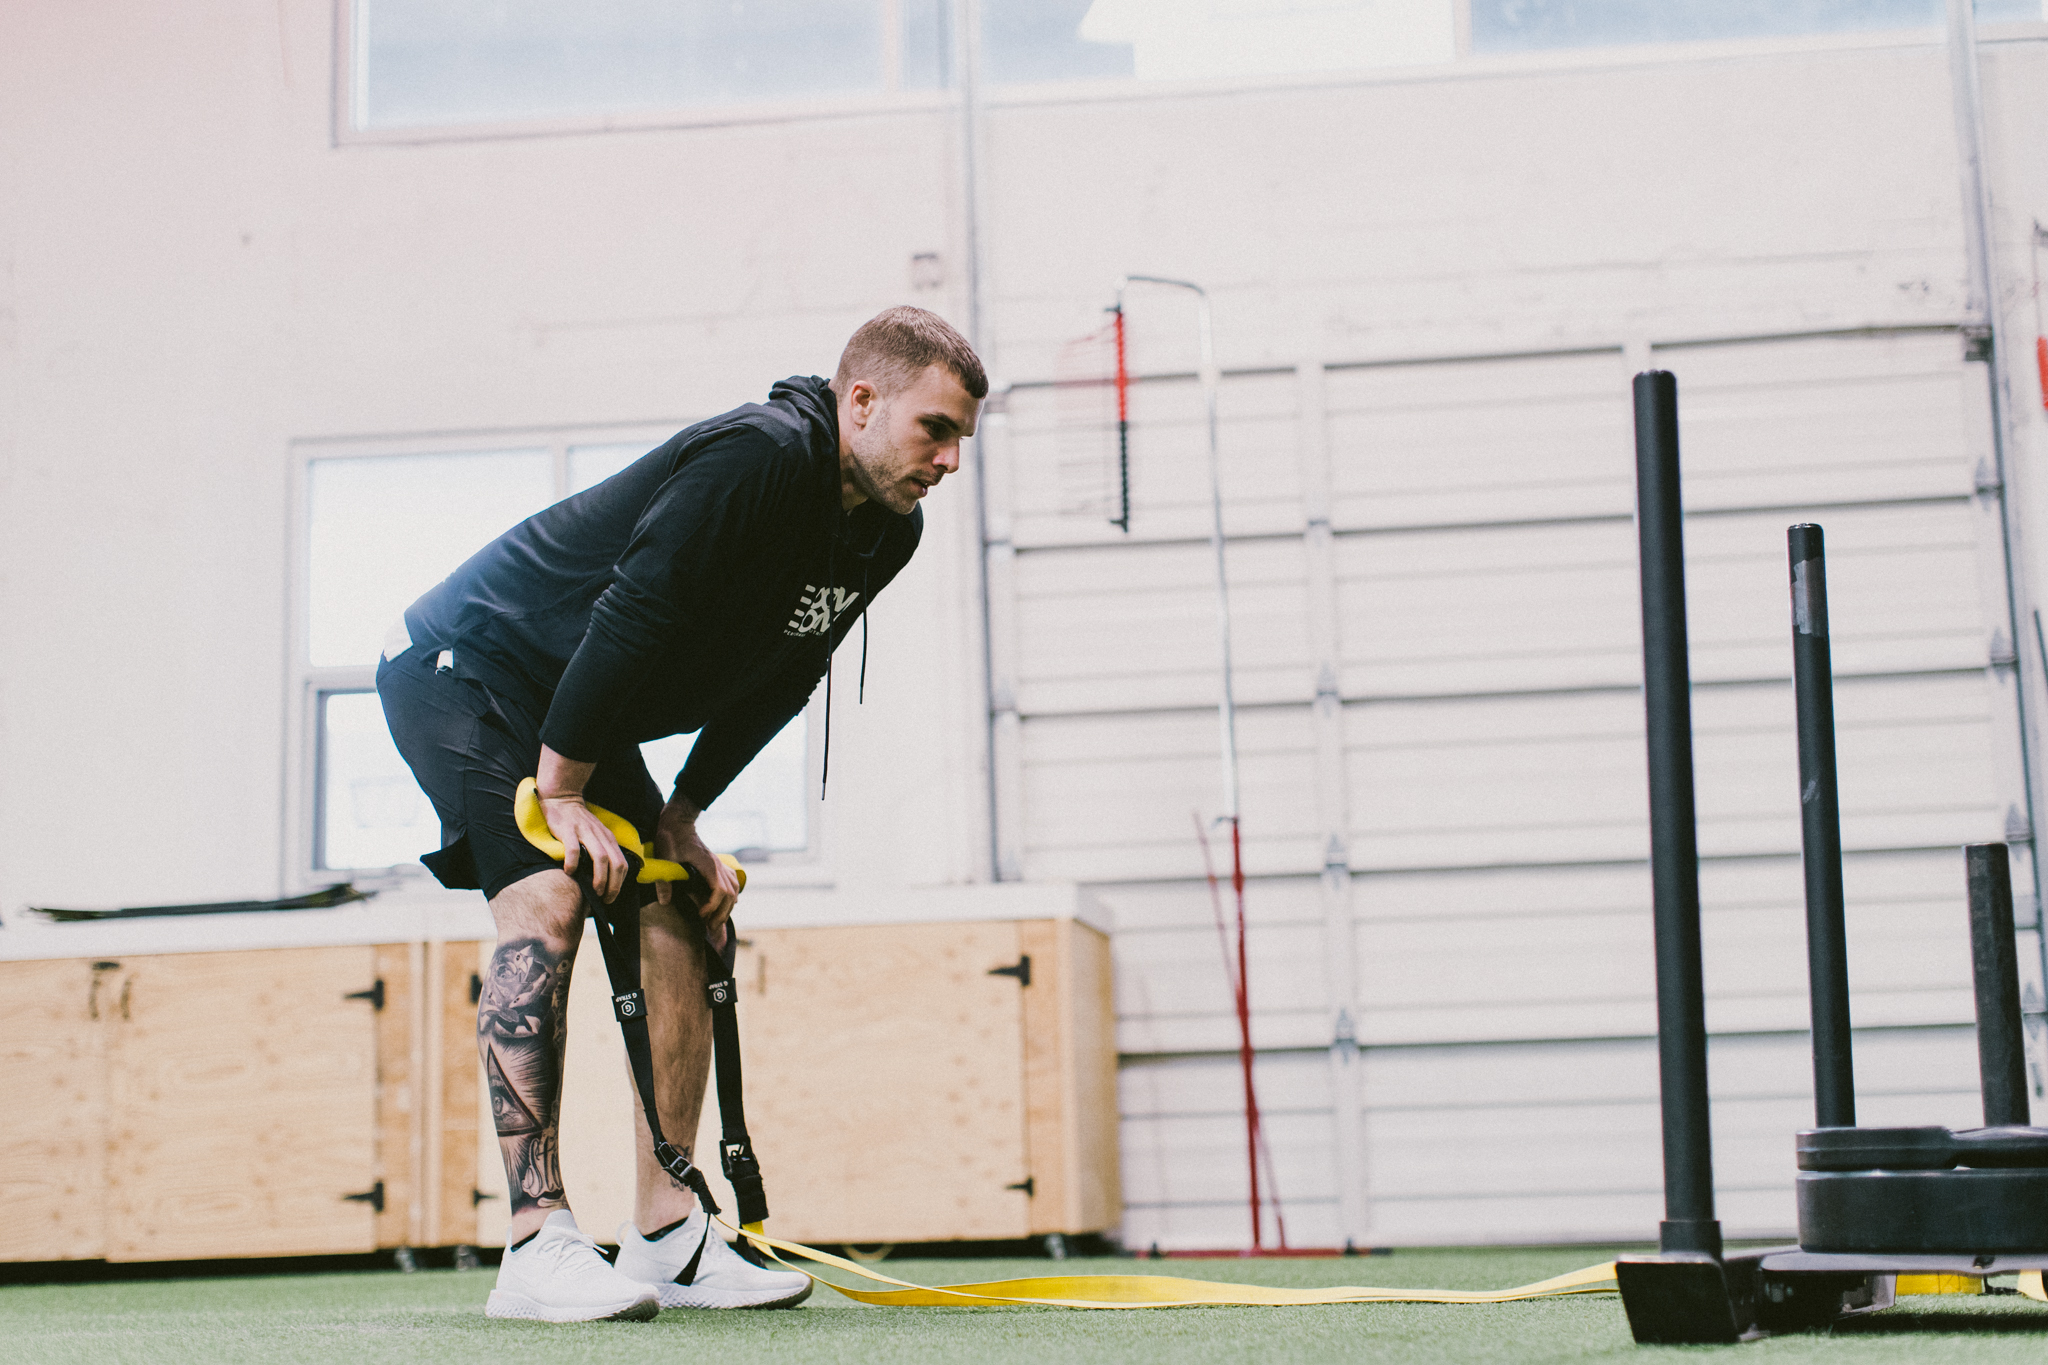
(701, 587)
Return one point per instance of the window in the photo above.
(1040, 40)
(417, 64)
(383, 526)
(1025, 41)
(423, 63)
(1530, 25)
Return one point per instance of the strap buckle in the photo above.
(738, 1160)
(686, 1174)
(744, 1171)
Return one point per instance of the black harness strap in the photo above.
(618, 936)
(735, 1148)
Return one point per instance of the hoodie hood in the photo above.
(852, 536)
(814, 403)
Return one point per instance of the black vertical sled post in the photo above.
(1691, 1292)
(1820, 830)
(1994, 962)
(1689, 1224)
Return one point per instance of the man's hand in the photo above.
(675, 838)
(561, 782)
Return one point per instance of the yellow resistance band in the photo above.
(1166, 1291)
(2030, 1284)
(1071, 1291)
(534, 825)
(1155, 1291)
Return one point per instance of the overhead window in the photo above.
(437, 62)
(382, 528)
(1026, 41)
(1531, 25)
(1049, 40)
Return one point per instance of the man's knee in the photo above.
(547, 906)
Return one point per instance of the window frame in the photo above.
(307, 684)
(350, 77)
(1464, 65)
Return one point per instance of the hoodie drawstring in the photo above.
(831, 622)
(860, 693)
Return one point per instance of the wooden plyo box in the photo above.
(904, 1083)
(174, 1096)
(191, 1105)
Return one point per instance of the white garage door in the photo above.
(1434, 603)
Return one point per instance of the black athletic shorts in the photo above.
(470, 746)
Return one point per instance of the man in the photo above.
(701, 588)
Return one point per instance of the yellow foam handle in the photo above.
(1152, 1291)
(2030, 1285)
(1904, 1285)
(534, 825)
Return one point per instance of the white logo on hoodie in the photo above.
(817, 608)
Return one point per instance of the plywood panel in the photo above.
(885, 1081)
(1048, 1041)
(401, 1076)
(243, 1098)
(1097, 1167)
(489, 1196)
(455, 1184)
(1070, 1078)
(598, 1101)
(52, 1154)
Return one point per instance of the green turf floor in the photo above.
(437, 1315)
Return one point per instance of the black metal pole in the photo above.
(1994, 963)
(1820, 833)
(1689, 1223)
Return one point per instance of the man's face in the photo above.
(895, 448)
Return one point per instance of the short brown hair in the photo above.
(895, 346)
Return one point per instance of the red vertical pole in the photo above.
(1244, 1034)
(1123, 430)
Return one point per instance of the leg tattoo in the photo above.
(522, 1030)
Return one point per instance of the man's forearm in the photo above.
(559, 776)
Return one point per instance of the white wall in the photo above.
(193, 276)
(198, 278)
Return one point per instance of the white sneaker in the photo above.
(558, 1276)
(694, 1268)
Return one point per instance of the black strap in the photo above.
(735, 1148)
(688, 1274)
(618, 936)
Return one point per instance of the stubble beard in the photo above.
(873, 475)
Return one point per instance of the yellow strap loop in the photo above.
(534, 825)
(1152, 1291)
